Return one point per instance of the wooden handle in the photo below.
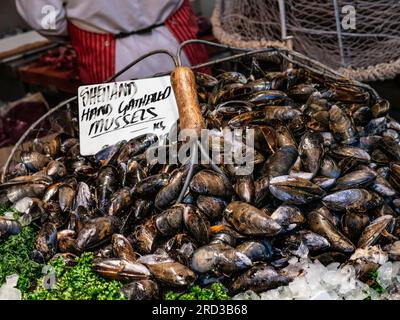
(184, 85)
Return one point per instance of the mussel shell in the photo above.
(394, 251)
(394, 177)
(288, 216)
(96, 231)
(206, 258)
(352, 152)
(355, 179)
(295, 190)
(181, 248)
(196, 224)
(232, 77)
(67, 144)
(141, 290)
(84, 196)
(323, 226)
(66, 197)
(383, 187)
(9, 227)
(391, 134)
(269, 97)
(362, 116)
(171, 191)
(172, 274)
(224, 234)
(369, 142)
(246, 118)
(32, 190)
(380, 109)
(219, 257)
(301, 92)
(390, 147)
(259, 278)
(136, 146)
(353, 224)
(311, 151)
(66, 241)
(281, 162)
(376, 126)
(342, 126)
(319, 121)
(373, 232)
(56, 168)
(363, 268)
(144, 236)
(324, 182)
(109, 154)
(52, 147)
(107, 184)
(256, 250)
(170, 221)
(122, 248)
(34, 161)
(233, 108)
(151, 184)
(205, 80)
(348, 93)
(352, 199)
(327, 258)
(284, 137)
(232, 260)
(119, 201)
(244, 188)
(249, 220)
(281, 113)
(265, 134)
(46, 243)
(211, 206)
(142, 208)
(122, 270)
(329, 168)
(211, 183)
(261, 187)
(313, 241)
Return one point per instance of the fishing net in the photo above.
(369, 52)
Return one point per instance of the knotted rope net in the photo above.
(369, 52)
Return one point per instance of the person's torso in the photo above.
(116, 16)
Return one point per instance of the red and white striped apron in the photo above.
(97, 52)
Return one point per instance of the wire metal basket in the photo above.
(63, 117)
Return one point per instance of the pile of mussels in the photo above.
(327, 176)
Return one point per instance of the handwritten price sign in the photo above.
(112, 112)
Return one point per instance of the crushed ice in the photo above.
(314, 281)
(8, 290)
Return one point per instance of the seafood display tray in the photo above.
(324, 183)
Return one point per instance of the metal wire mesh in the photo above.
(368, 52)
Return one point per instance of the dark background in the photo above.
(390, 89)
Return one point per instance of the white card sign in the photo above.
(112, 112)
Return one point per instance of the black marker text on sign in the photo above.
(109, 113)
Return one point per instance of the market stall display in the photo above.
(324, 185)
